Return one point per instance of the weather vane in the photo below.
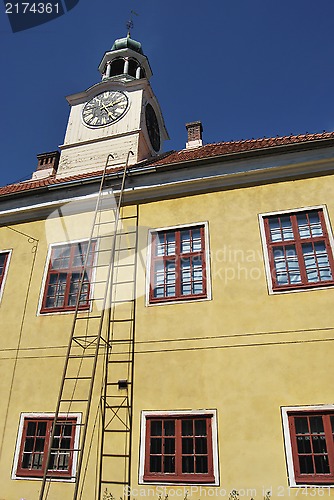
(130, 24)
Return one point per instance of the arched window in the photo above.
(133, 65)
(117, 67)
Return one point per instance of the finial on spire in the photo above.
(129, 24)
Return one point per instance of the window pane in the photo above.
(187, 445)
(200, 427)
(170, 243)
(306, 464)
(286, 228)
(315, 224)
(301, 424)
(41, 429)
(169, 464)
(26, 461)
(169, 446)
(56, 290)
(319, 444)
(187, 465)
(60, 257)
(303, 226)
(169, 427)
(80, 252)
(156, 428)
(201, 446)
(185, 241)
(186, 277)
(29, 444)
(275, 229)
(156, 445)
(61, 446)
(187, 427)
(37, 461)
(201, 465)
(160, 245)
(316, 425)
(304, 444)
(155, 464)
(3, 257)
(31, 428)
(332, 423)
(286, 265)
(196, 240)
(321, 464)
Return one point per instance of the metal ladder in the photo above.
(101, 338)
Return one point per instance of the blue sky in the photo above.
(245, 68)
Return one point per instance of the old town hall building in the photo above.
(166, 317)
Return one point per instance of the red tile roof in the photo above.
(225, 148)
(204, 152)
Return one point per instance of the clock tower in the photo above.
(115, 116)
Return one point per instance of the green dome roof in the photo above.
(127, 43)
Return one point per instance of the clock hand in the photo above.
(106, 109)
(114, 103)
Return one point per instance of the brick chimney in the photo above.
(47, 165)
(194, 130)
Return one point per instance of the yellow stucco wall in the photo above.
(244, 353)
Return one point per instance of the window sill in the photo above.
(304, 288)
(174, 300)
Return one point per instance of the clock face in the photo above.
(152, 126)
(105, 108)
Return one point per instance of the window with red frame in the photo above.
(35, 445)
(312, 446)
(65, 271)
(179, 449)
(300, 254)
(3, 266)
(178, 270)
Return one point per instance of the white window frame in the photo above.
(6, 271)
(207, 263)
(23, 416)
(262, 216)
(288, 446)
(191, 413)
(46, 272)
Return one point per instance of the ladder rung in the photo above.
(74, 400)
(115, 407)
(116, 266)
(124, 249)
(114, 482)
(122, 282)
(120, 360)
(116, 430)
(116, 455)
(121, 320)
(125, 301)
(77, 378)
(76, 356)
(88, 317)
(121, 341)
